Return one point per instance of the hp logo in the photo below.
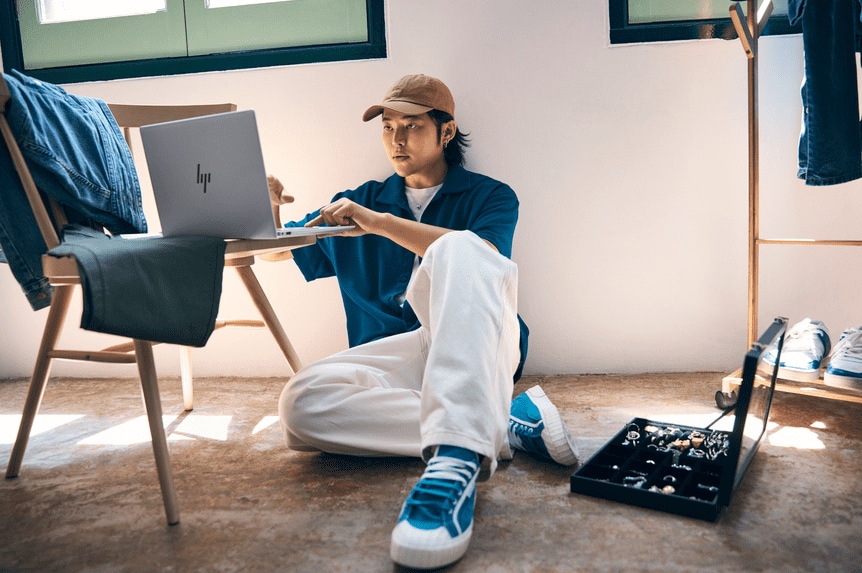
(203, 178)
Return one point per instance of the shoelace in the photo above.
(520, 428)
(804, 339)
(523, 435)
(441, 485)
(850, 345)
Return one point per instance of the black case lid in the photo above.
(752, 407)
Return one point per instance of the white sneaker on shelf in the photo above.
(845, 364)
(806, 345)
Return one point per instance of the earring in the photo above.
(445, 143)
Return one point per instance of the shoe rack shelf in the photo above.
(816, 388)
(749, 28)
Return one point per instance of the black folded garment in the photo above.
(161, 289)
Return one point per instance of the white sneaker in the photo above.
(806, 344)
(845, 364)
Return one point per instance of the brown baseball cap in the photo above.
(415, 95)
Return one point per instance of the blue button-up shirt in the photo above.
(373, 271)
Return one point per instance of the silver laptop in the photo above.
(209, 179)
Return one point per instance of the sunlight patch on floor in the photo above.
(266, 422)
(135, 431)
(9, 424)
(799, 438)
(200, 426)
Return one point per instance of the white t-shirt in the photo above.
(418, 200)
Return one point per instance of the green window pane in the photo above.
(274, 25)
(119, 39)
(652, 11)
(226, 3)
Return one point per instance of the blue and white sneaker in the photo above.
(806, 344)
(845, 364)
(535, 427)
(436, 520)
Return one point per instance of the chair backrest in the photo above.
(130, 116)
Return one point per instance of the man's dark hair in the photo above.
(454, 151)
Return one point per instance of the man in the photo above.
(431, 302)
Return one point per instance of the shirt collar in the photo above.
(457, 181)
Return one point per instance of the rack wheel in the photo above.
(725, 400)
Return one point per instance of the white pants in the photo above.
(448, 382)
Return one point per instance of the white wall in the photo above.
(630, 163)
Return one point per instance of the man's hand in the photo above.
(277, 197)
(412, 235)
(277, 194)
(346, 212)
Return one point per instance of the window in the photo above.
(64, 41)
(636, 21)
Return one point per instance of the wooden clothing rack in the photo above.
(749, 29)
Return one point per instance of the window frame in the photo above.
(13, 57)
(622, 32)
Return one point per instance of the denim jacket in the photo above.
(77, 155)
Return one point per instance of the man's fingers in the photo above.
(338, 213)
(315, 222)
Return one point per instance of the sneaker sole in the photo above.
(838, 381)
(424, 557)
(798, 375)
(558, 440)
(766, 369)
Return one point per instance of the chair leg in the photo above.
(53, 326)
(150, 388)
(188, 380)
(266, 311)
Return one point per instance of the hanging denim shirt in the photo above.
(830, 143)
(77, 155)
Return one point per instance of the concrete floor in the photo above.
(87, 498)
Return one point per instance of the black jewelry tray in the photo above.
(681, 469)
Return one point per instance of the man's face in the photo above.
(414, 148)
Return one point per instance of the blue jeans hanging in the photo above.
(830, 143)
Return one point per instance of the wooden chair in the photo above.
(62, 273)
(240, 254)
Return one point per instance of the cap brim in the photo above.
(404, 107)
